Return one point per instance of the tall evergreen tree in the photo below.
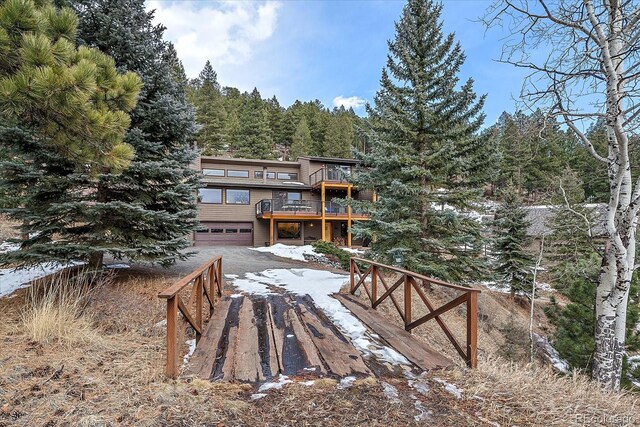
(338, 139)
(210, 112)
(513, 263)
(301, 140)
(425, 159)
(146, 212)
(255, 136)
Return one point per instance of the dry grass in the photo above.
(55, 311)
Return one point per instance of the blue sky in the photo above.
(333, 51)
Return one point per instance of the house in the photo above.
(252, 202)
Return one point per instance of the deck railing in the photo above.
(304, 207)
(204, 283)
(409, 283)
(328, 174)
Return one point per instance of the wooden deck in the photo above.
(255, 338)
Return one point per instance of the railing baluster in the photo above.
(172, 337)
(374, 284)
(199, 297)
(352, 270)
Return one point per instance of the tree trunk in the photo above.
(96, 260)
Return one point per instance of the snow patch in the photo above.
(423, 413)
(12, 279)
(634, 363)
(391, 392)
(308, 383)
(192, 348)
(551, 354)
(277, 385)
(257, 396)
(287, 251)
(457, 392)
(9, 247)
(231, 276)
(353, 250)
(346, 382)
(419, 386)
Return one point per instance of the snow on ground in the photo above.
(13, 279)
(551, 354)
(457, 392)
(391, 392)
(281, 381)
(496, 287)
(634, 363)
(319, 285)
(288, 251)
(192, 348)
(346, 382)
(353, 250)
(117, 266)
(8, 247)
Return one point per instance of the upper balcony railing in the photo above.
(303, 208)
(331, 175)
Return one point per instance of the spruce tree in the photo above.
(424, 158)
(338, 139)
(146, 212)
(210, 112)
(71, 99)
(301, 140)
(513, 263)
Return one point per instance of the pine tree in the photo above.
(424, 157)
(71, 99)
(255, 135)
(513, 263)
(145, 212)
(339, 137)
(210, 112)
(301, 140)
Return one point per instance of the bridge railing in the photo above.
(194, 298)
(408, 282)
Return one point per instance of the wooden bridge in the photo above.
(254, 338)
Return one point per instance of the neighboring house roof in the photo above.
(540, 217)
(331, 160)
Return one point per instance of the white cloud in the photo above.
(224, 32)
(350, 102)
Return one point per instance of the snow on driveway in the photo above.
(319, 285)
(287, 251)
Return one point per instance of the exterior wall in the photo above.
(304, 170)
(251, 168)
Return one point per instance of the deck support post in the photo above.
(472, 329)
(323, 200)
(271, 231)
(349, 216)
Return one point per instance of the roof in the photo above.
(238, 161)
(539, 218)
(331, 160)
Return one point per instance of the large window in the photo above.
(237, 197)
(287, 176)
(282, 199)
(210, 195)
(213, 172)
(237, 174)
(260, 174)
(289, 230)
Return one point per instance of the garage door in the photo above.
(225, 234)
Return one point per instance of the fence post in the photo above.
(199, 289)
(472, 329)
(352, 272)
(374, 284)
(219, 277)
(171, 368)
(407, 302)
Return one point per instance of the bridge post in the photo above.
(472, 329)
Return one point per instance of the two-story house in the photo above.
(262, 202)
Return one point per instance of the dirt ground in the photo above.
(116, 379)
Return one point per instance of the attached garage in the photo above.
(225, 234)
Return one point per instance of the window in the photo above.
(216, 230)
(202, 230)
(289, 230)
(237, 174)
(287, 176)
(245, 230)
(213, 172)
(231, 230)
(210, 195)
(238, 197)
(260, 174)
(338, 172)
(286, 198)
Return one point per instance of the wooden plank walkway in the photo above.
(256, 338)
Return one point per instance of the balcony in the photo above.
(333, 176)
(305, 209)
